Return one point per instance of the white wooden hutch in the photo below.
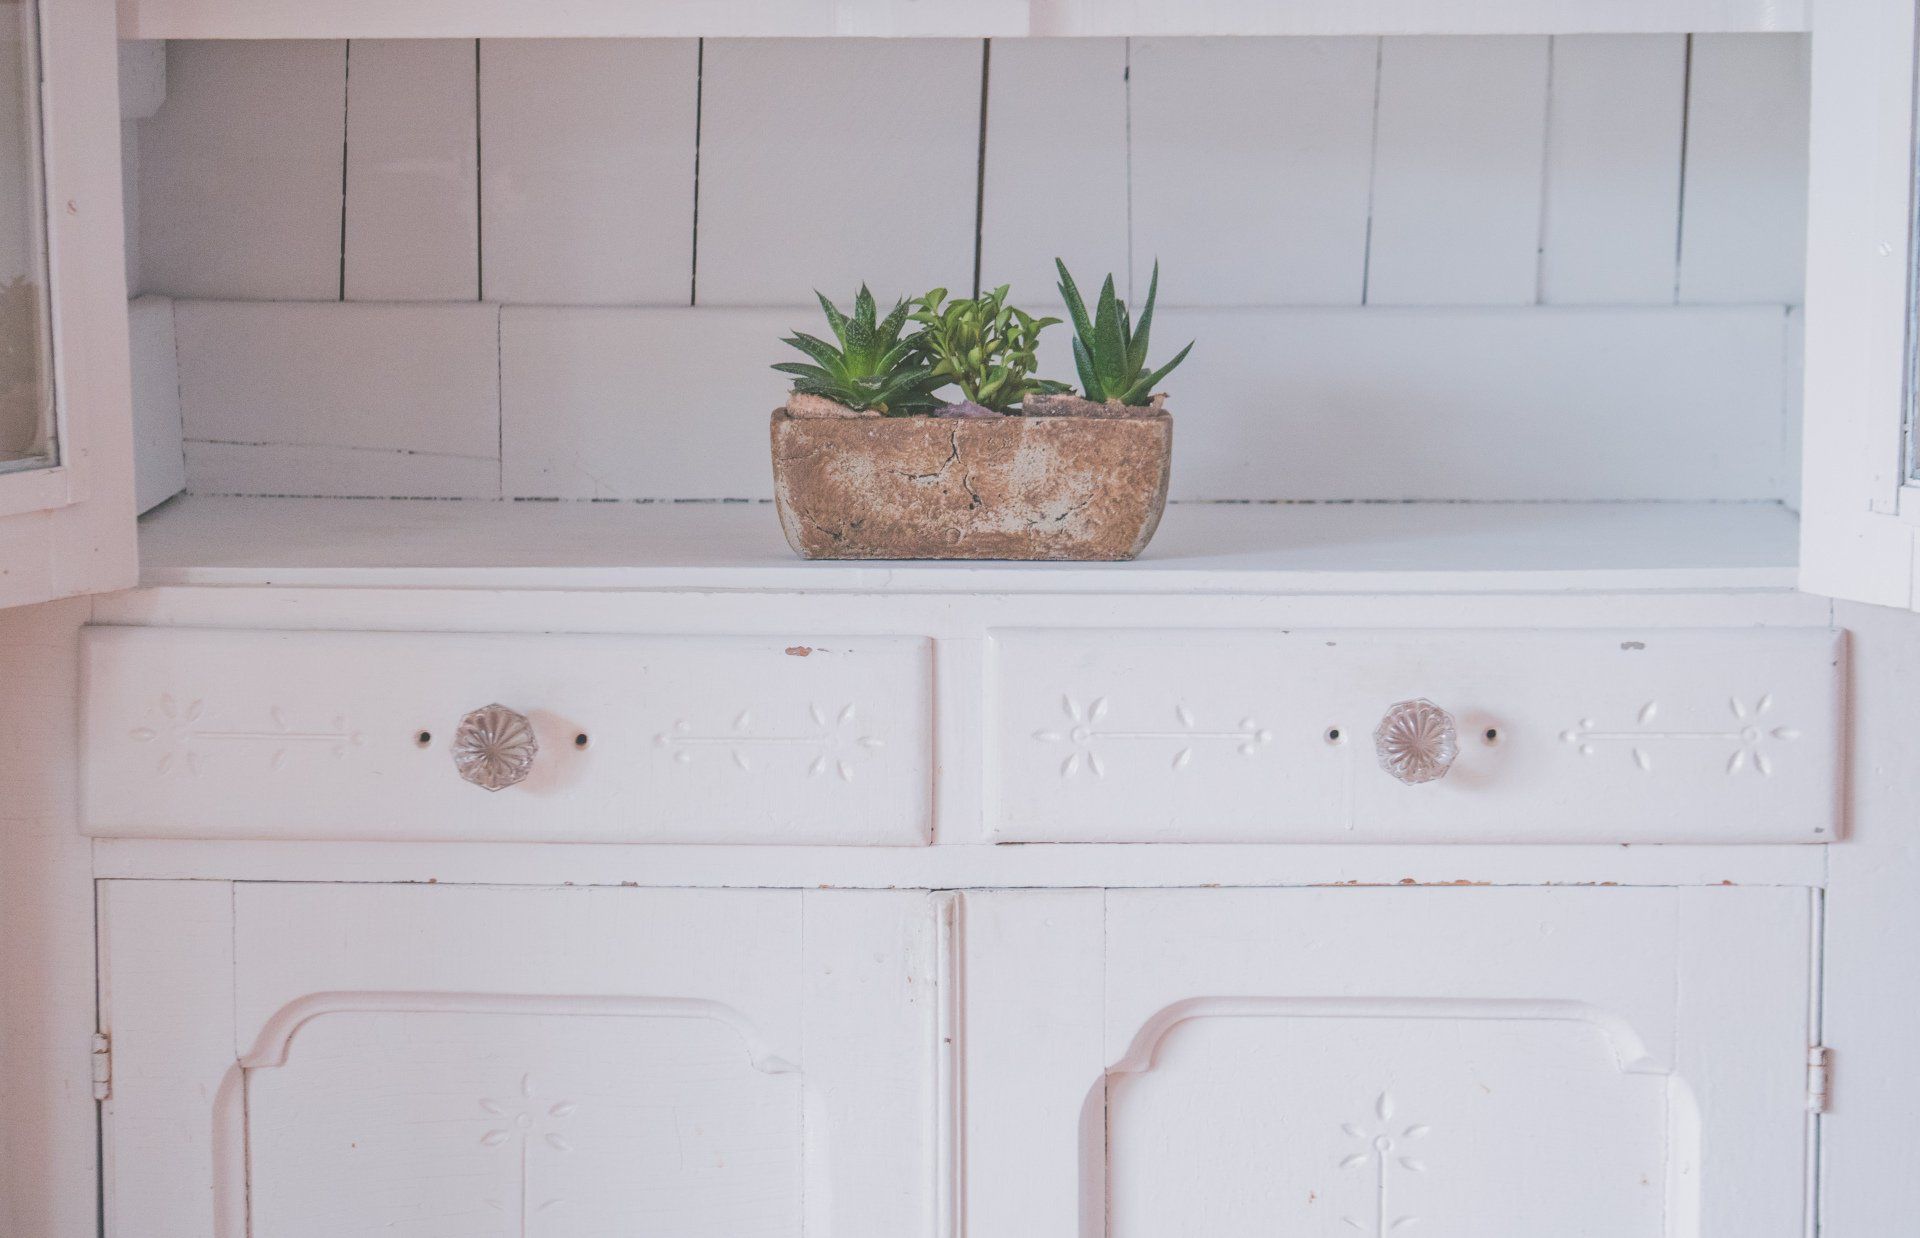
(1554, 366)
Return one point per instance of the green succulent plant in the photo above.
(874, 366)
(1109, 351)
(983, 346)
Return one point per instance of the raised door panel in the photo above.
(1462, 1063)
(1578, 736)
(424, 1061)
(337, 735)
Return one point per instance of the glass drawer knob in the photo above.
(494, 747)
(1416, 741)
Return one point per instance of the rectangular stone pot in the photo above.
(1060, 488)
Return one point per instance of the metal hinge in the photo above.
(1819, 1079)
(102, 1066)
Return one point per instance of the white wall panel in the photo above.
(388, 401)
(1056, 166)
(1489, 404)
(160, 470)
(827, 163)
(413, 207)
(587, 157)
(1251, 163)
(1615, 120)
(641, 404)
(1744, 217)
(240, 172)
(1457, 171)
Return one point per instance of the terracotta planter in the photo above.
(1042, 487)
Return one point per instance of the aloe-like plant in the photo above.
(873, 367)
(1109, 351)
(983, 346)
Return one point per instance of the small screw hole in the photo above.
(1333, 735)
(581, 740)
(423, 739)
(1493, 735)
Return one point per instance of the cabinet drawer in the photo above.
(1566, 736)
(247, 734)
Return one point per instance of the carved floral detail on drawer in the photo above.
(834, 741)
(182, 731)
(1749, 737)
(1387, 1152)
(1083, 737)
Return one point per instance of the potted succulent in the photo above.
(869, 464)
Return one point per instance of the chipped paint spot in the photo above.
(799, 651)
(1631, 645)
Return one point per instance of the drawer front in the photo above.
(1585, 736)
(247, 734)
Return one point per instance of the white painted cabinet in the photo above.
(317, 1060)
(1472, 1062)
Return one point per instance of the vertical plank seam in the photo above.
(1680, 209)
(1546, 181)
(1373, 167)
(500, 400)
(1126, 95)
(980, 164)
(699, 114)
(479, 193)
(346, 125)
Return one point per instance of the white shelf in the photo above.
(1201, 548)
(303, 19)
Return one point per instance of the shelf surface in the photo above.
(1200, 548)
(296, 19)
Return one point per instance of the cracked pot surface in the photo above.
(1061, 488)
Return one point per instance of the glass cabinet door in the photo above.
(27, 435)
(66, 410)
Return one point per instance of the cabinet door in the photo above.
(1861, 493)
(66, 469)
(309, 1061)
(1448, 1063)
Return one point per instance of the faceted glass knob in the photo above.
(494, 747)
(1416, 741)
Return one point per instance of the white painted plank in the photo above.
(1744, 218)
(1490, 404)
(1251, 165)
(639, 403)
(240, 172)
(166, 983)
(130, 201)
(412, 205)
(1457, 171)
(160, 469)
(1615, 121)
(1056, 166)
(1035, 1100)
(1285, 548)
(890, 18)
(49, 1149)
(826, 164)
(587, 167)
(869, 1009)
(340, 400)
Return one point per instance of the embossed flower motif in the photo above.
(494, 747)
(524, 1115)
(1079, 736)
(1416, 741)
(177, 727)
(1753, 733)
(838, 743)
(1382, 1145)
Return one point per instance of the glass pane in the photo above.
(26, 347)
